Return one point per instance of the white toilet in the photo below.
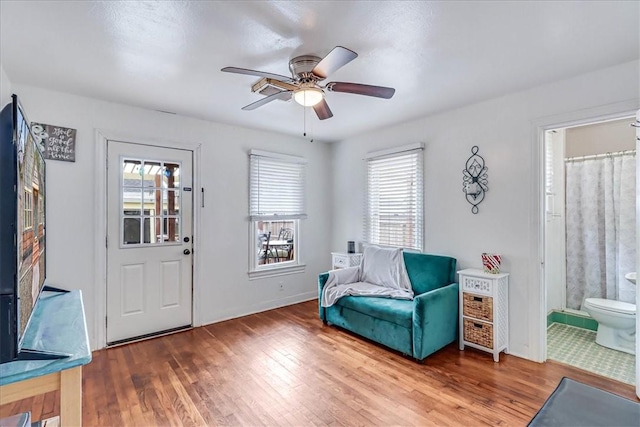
(616, 323)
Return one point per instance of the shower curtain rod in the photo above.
(600, 156)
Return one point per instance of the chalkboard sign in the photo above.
(57, 143)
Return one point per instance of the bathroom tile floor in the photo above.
(577, 347)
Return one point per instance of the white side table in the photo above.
(484, 311)
(344, 260)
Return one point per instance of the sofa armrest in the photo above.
(322, 280)
(435, 320)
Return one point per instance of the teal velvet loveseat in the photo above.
(416, 328)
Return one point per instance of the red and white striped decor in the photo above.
(491, 263)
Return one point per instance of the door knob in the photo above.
(186, 252)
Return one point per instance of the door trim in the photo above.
(100, 202)
(537, 324)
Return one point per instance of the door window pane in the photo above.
(171, 176)
(150, 226)
(152, 174)
(171, 202)
(172, 229)
(132, 201)
(131, 231)
(131, 173)
(150, 202)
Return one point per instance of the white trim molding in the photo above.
(277, 271)
(235, 312)
(280, 156)
(100, 217)
(394, 150)
(637, 251)
(537, 314)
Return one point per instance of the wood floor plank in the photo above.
(284, 367)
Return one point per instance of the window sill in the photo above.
(276, 271)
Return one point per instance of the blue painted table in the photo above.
(58, 325)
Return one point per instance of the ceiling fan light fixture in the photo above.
(308, 97)
(303, 85)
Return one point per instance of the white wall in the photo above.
(226, 291)
(504, 129)
(5, 88)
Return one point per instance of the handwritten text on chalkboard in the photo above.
(58, 143)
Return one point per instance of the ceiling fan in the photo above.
(307, 71)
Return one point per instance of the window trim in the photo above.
(279, 156)
(281, 268)
(27, 223)
(275, 272)
(257, 271)
(391, 153)
(394, 151)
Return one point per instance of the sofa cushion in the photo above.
(384, 267)
(392, 310)
(429, 272)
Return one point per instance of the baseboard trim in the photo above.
(259, 308)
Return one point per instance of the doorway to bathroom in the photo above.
(590, 247)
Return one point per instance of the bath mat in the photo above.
(575, 404)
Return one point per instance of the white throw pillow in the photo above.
(384, 267)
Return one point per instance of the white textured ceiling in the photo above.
(167, 55)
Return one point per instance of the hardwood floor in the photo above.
(283, 367)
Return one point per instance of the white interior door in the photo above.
(149, 240)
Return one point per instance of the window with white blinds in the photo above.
(394, 206)
(277, 186)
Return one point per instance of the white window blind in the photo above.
(394, 208)
(277, 186)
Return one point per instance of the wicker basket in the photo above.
(478, 333)
(477, 307)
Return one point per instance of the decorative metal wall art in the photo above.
(474, 179)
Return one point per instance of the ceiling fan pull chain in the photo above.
(311, 131)
(304, 121)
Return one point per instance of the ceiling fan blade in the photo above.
(322, 110)
(338, 57)
(282, 95)
(255, 73)
(360, 89)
